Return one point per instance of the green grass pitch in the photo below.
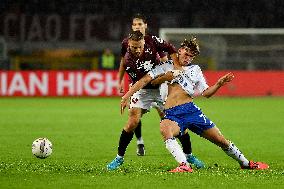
(85, 133)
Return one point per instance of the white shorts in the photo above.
(144, 99)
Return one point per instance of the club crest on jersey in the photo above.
(134, 100)
(147, 66)
(148, 51)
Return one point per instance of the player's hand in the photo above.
(169, 76)
(157, 81)
(225, 79)
(123, 104)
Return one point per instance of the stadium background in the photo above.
(53, 36)
(54, 48)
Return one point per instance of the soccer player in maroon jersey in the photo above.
(140, 58)
(139, 23)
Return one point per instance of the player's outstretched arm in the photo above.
(210, 91)
(134, 88)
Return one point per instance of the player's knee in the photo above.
(165, 132)
(162, 130)
(135, 122)
(222, 142)
(132, 124)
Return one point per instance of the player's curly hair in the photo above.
(135, 36)
(192, 44)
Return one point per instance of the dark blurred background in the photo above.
(72, 35)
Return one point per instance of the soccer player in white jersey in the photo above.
(181, 113)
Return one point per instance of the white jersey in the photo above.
(190, 79)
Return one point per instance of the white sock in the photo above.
(118, 156)
(140, 140)
(235, 153)
(175, 149)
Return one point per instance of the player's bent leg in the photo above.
(169, 129)
(215, 136)
(236, 154)
(176, 151)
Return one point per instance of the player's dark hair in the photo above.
(192, 44)
(139, 16)
(136, 36)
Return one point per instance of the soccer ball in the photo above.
(42, 148)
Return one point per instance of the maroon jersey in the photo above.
(147, 38)
(137, 67)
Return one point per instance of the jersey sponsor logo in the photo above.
(147, 66)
